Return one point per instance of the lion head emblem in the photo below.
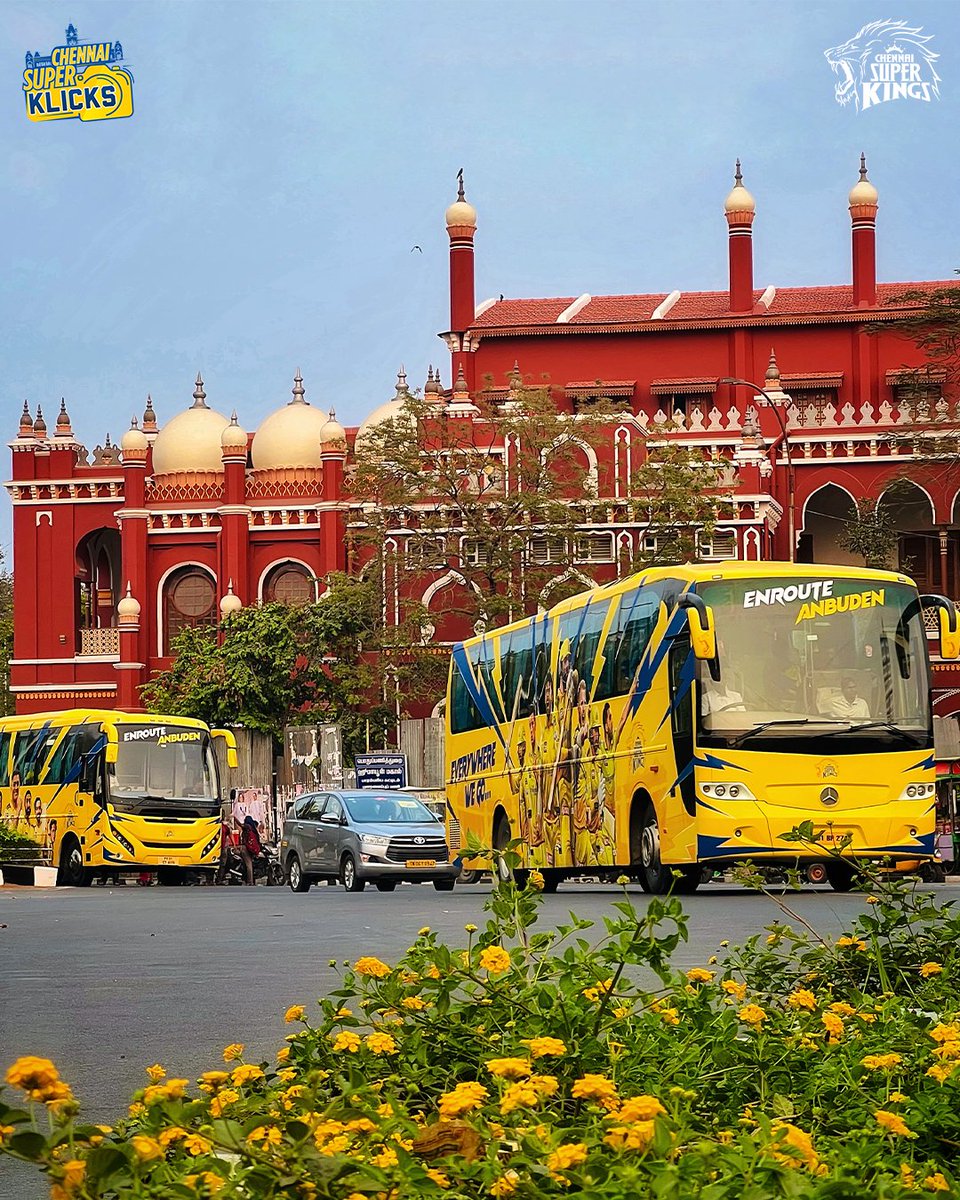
(889, 55)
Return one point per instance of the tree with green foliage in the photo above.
(677, 496)
(273, 665)
(871, 533)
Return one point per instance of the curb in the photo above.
(28, 876)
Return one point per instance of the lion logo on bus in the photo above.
(886, 60)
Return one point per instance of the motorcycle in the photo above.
(266, 868)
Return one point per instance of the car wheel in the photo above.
(841, 876)
(72, 872)
(348, 874)
(295, 876)
(444, 885)
(386, 885)
(817, 873)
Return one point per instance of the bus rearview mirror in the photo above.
(949, 636)
(231, 746)
(703, 635)
(112, 746)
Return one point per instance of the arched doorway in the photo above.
(826, 515)
(918, 544)
(97, 581)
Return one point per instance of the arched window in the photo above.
(189, 599)
(289, 583)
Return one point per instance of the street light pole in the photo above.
(774, 375)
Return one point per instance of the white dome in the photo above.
(190, 441)
(390, 411)
(289, 437)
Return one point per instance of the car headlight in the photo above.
(374, 840)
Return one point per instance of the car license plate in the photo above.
(421, 862)
(167, 861)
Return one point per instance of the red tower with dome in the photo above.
(192, 517)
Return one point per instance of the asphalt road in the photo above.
(106, 981)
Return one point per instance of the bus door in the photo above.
(681, 668)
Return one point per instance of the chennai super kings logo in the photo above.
(78, 80)
(886, 60)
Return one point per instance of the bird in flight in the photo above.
(417, 248)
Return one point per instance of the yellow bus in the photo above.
(114, 791)
(686, 718)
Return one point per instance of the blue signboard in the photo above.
(381, 771)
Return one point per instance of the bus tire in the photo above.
(170, 877)
(840, 875)
(444, 885)
(348, 874)
(654, 876)
(72, 872)
(551, 881)
(295, 876)
(816, 873)
(690, 879)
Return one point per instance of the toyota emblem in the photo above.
(829, 796)
(418, 841)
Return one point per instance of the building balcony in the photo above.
(99, 642)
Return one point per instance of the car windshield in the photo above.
(380, 809)
(813, 658)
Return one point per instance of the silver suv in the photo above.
(353, 837)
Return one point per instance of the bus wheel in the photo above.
(72, 872)
(840, 876)
(501, 839)
(690, 879)
(654, 876)
(551, 881)
(170, 877)
(817, 873)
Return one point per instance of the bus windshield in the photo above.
(816, 658)
(163, 764)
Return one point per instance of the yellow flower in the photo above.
(536, 880)
(70, 1182)
(947, 1050)
(941, 1073)
(156, 1073)
(346, 1039)
(414, 1003)
(438, 1177)
(737, 991)
(802, 998)
(594, 993)
(506, 1185)
(195, 1144)
(206, 1179)
(893, 1123)
(283, 1054)
(570, 1154)
(596, 1087)
(294, 1013)
(856, 943)
(146, 1148)
(380, 1043)
(637, 1108)
(167, 1137)
(268, 1135)
(372, 967)
(518, 1095)
(5, 1132)
(470, 928)
(232, 1052)
(699, 975)
(945, 1033)
(173, 1089)
(423, 931)
(247, 1073)
(724, 943)
(873, 900)
(386, 1158)
(936, 1183)
(494, 959)
(463, 1098)
(897, 1097)
(209, 1081)
(842, 1008)
(794, 1147)
(39, 1078)
(222, 1100)
(621, 1011)
(928, 969)
(637, 1136)
(882, 1062)
(907, 1177)
(136, 1109)
(508, 1068)
(832, 1024)
(669, 1016)
(752, 1014)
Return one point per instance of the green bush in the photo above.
(571, 1062)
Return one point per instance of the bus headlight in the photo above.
(727, 791)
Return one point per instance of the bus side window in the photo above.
(64, 762)
(464, 714)
(30, 749)
(626, 642)
(5, 759)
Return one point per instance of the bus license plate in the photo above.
(167, 861)
(421, 862)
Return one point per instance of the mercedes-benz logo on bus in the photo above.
(829, 796)
(418, 841)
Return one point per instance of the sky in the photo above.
(258, 211)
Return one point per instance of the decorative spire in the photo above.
(298, 392)
(772, 376)
(863, 166)
(460, 195)
(432, 386)
(738, 175)
(516, 381)
(39, 425)
(199, 395)
(401, 384)
(26, 422)
(460, 390)
(149, 417)
(128, 610)
(63, 428)
(230, 602)
(107, 443)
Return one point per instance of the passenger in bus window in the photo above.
(848, 705)
(721, 698)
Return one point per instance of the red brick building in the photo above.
(188, 518)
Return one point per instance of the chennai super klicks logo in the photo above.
(78, 80)
(886, 60)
